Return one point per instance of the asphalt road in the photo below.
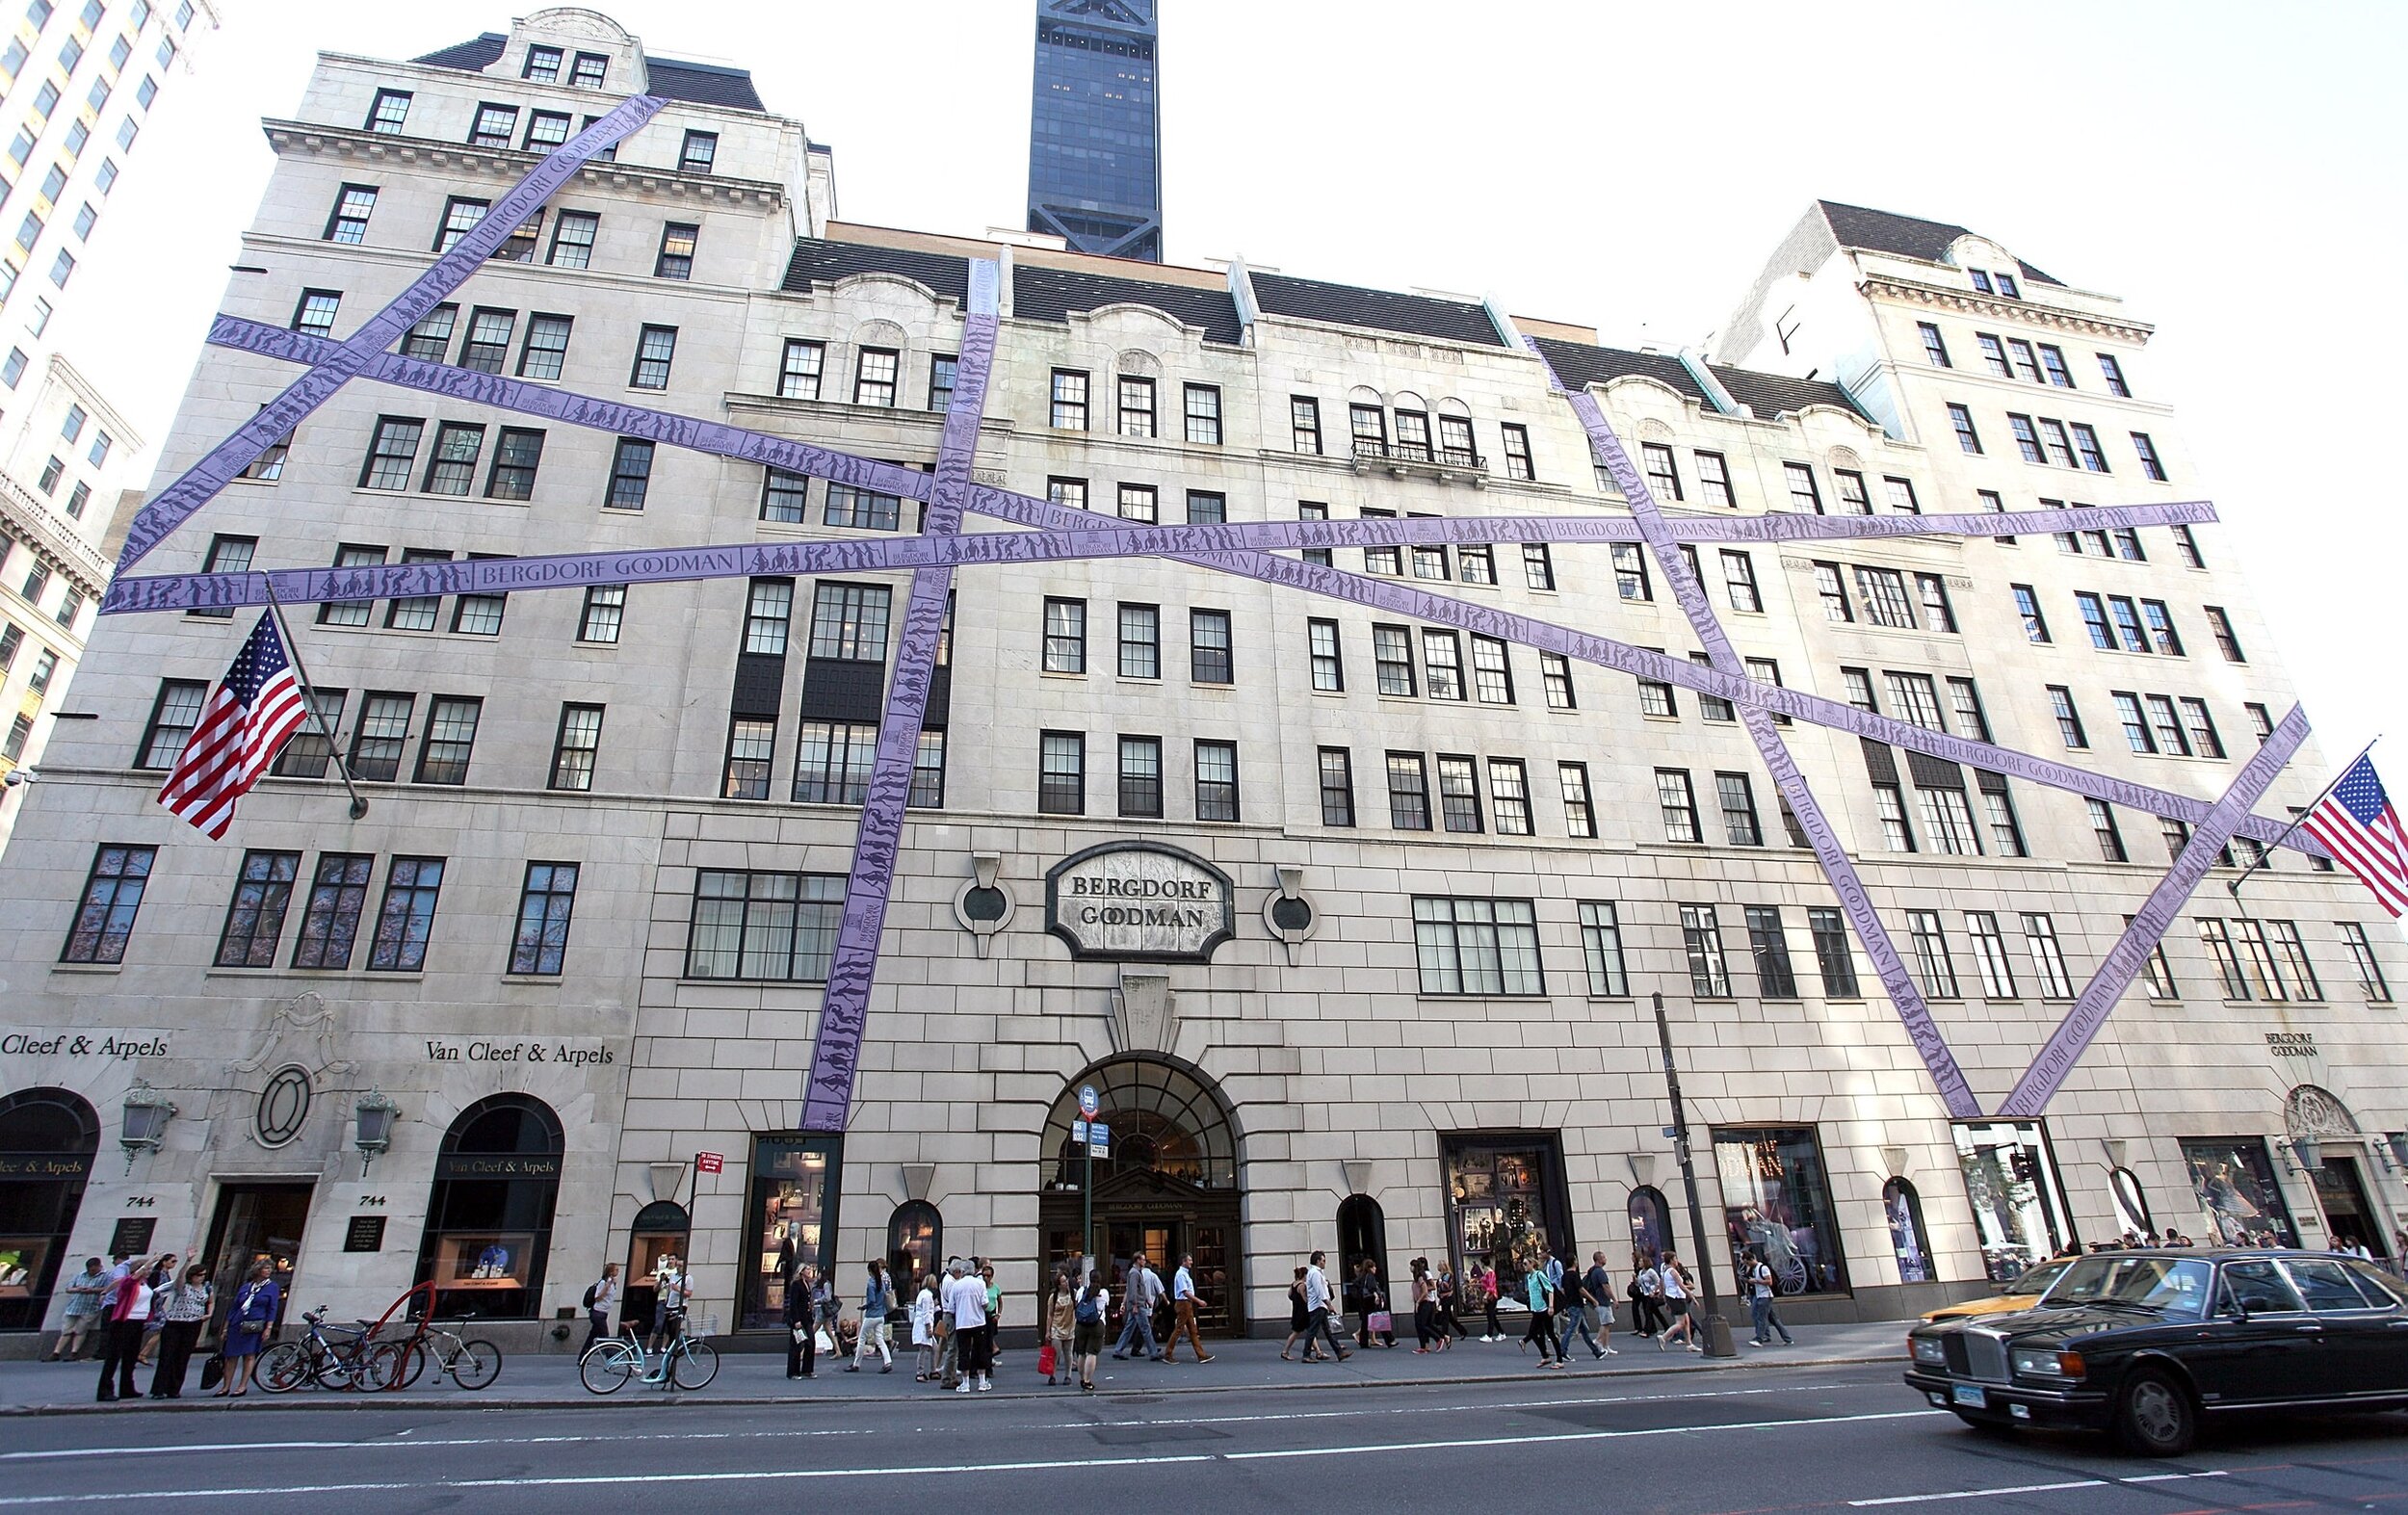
(1787, 1441)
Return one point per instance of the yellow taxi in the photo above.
(2022, 1295)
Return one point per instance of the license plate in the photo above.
(1972, 1394)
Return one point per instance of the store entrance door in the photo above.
(256, 1221)
(2348, 1216)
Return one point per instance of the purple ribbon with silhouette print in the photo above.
(173, 506)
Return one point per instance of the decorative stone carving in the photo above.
(1142, 1011)
(982, 905)
(1289, 914)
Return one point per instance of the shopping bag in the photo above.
(1379, 1320)
(822, 1342)
(1045, 1359)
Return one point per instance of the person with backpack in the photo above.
(601, 1298)
(1600, 1286)
(877, 1297)
(1760, 1296)
(1088, 1309)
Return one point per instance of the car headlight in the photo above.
(1928, 1350)
(2033, 1362)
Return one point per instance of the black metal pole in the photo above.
(1717, 1330)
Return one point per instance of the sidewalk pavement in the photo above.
(550, 1381)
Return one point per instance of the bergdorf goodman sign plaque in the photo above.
(1139, 901)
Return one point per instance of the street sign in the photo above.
(1089, 1102)
(709, 1161)
(1669, 1133)
(1078, 1131)
(1099, 1139)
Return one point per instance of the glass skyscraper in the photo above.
(1095, 166)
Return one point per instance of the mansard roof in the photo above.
(697, 84)
(1907, 236)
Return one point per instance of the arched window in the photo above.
(1363, 1237)
(1650, 1221)
(1161, 1118)
(915, 1241)
(2132, 1205)
(47, 1140)
(1904, 1210)
(488, 1234)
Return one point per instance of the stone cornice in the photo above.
(53, 538)
(1970, 301)
(509, 165)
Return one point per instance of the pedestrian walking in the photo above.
(1760, 1302)
(878, 1296)
(1298, 1320)
(1677, 1293)
(1646, 1295)
(1088, 1309)
(1579, 1313)
(1370, 1298)
(1144, 1288)
(1183, 1306)
(125, 1309)
(83, 1310)
(1542, 1328)
(1059, 1313)
(1600, 1309)
(1426, 1326)
(1488, 1302)
(256, 1307)
(183, 1309)
(1448, 1296)
(801, 1316)
(965, 1295)
(1317, 1301)
(601, 1299)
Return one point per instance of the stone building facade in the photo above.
(1352, 921)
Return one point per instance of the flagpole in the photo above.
(2310, 809)
(309, 698)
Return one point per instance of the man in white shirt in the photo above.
(1145, 1288)
(1317, 1306)
(1183, 1300)
(965, 1295)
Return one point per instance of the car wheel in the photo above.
(2154, 1416)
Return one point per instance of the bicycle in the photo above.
(688, 1362)
(471, 1364)
(344, 1362)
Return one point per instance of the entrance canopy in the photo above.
(1164, 1118)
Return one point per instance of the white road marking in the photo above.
(2033, 1488)
(795, 1474)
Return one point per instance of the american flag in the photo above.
(2362, 829)
(248, 717)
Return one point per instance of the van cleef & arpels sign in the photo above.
(1139, 901)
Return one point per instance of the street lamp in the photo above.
(146, 1116)
(1718, 1341)
(2309, 1152)
(375, 1113)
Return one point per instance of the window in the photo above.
(1678, 802)
(1701, 934)
(1998, 975)
(313, 316)
(546, 348)
(1738, 810)
(430, 339)
(545, 900)
(1321, 637)
(927, 772)
(1304, 421)
(2102, 827)
(751, 749)
(1509, 795)
(1069, 412)
(1965, 701)
(2188, 542)
(1492, 671)
(2006, 833)
(1388, 561)
(1713, 480)
(254, 917)
(1477, 562)
(1454, 443)
(390, 112)
(575, 748)
(786, 497)
(848, 621)
(309, 750)
(1337, 782)
(1739, 575)
(1142, 642)
(1066, 636)
(1476, 946)
(778, 927)
(1408, 792)
(1555, 674)
(2361, 957)
(353, 203)
(416, 613)
(2113, 372)
(1852, 495)
(1217, 781)
(406, 918)
(543, 65)
(1630, 572)
(545, 130)
(1966, 436)
(589, 69)
(1392, 657)
(833, 762)
(2028, 605)
(338, 892)
(226, 555)
(2086, 445)
(351, 613)
(2219, 948)
(1994, 354)
(1664, 475)
(2158, 971)
(451, 467)
(2220, 625)
(700, 152)
(172, 717)
(37, 583)
(2151, 466)
(1141, 776)
(1369, 427)
(2205, 740)
(675, 259)
(1137, 407)
(1833, 594)
(875, 376)
(605, 607)
(1140, 501)
(1804, 495)
(1442, 657)
(516, 454)
(944, 370)
(1413, 436)
(2047, 961)
(1838, 968)
(451, 734)
(1933, 590)
(798, 371)
(631, 474)
(656, 349)
(1209, 659)
(1459, 793)
(1769, 945)
(1203, 406)
(1517, 453)
(1932, 964)
(1883, 591)
(494, 127)
(1711, 707)
(1580, 814)
(488, 347)
(1896, 834)
(2068, 718)
(768, 611)
(1062, 774)
(2261, 720)
(1656, 697)
(2290, 960)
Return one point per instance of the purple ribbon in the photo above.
(2149, 924)
(200, 483)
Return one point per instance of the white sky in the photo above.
(2228, 168)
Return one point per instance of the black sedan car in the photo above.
(2144, 1343)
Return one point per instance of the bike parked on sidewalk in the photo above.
(688, 1362)
(471, 1364)
(342, 1360)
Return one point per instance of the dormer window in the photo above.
(543, 65)
(589, 70)
(1982, 281)
(2007, 286)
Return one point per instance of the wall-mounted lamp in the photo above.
(2309, 1152)
(147, 1115)
(375, 1113)
(2392, 1148)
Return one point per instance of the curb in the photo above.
(323, 1401)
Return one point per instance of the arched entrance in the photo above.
(47, 1139)
(1169, 1186)
(658, 1233)
(1363, 1235)
(2314, 1115)
(489, 1214)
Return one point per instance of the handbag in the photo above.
(213, 1370)
(1045, 1359)
(802, 1334)
(1379, 1320)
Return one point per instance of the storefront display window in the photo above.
(2132, 1205)
(794, 1217)
(489, 1216)
(1905, 1209)
(657, 1238)
(1505, 1204)
(2018, 1206)
(47, 1139)
(1651, 1221)
(915, 1239)
(1776, 1199)
(2239, 1203)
